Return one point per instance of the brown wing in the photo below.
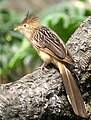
(50, 43)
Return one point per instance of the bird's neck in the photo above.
(30, 33)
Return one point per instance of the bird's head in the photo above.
(28, 25)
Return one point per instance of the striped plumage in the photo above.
(44, 37)
(51, 48)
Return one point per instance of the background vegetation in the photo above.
(17, 57)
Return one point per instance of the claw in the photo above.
(43, 66)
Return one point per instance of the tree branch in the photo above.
(41, 95)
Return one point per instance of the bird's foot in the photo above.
(43, 66)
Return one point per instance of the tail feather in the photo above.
(72, 91)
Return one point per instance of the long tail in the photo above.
(72, 91)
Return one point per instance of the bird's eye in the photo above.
(25, 25)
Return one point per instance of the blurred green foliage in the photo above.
(64, 19)
(14, 48)
(17, 57)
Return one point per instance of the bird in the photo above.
(52, 49)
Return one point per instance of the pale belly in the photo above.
(45, 57)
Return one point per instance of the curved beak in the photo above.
(17, 28)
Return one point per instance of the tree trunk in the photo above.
(41, 95)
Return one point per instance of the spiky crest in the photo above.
(30, 18)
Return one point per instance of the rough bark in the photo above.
(41, 95)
